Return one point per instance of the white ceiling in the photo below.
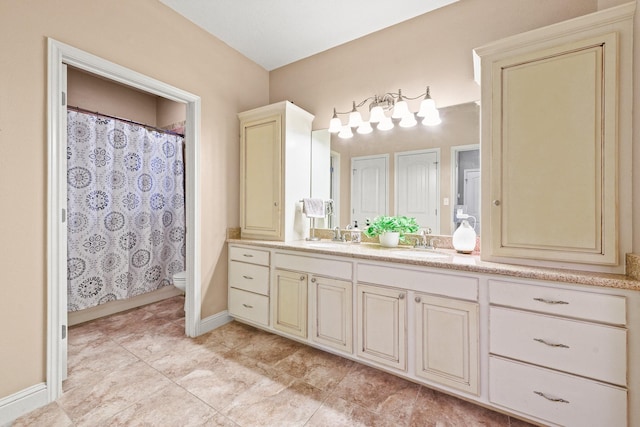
(274, 33)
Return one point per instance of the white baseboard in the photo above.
(213, 322)
(22, 402)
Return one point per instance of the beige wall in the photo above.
(133, 34)
(105, 96)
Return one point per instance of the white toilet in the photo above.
(180, 280)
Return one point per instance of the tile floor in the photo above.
(138, 369)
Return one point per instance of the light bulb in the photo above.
(376, 115)
(428, 105)
(345, 132)
(335, 125)
(354, 117)
(409, 120)
(364, 128)
(385, 124)
(432, 119)
(400, 108)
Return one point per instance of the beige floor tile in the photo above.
(316, 367)
(139, 368)
(50, 415)
(269, 404)
(169, 406)
(92, 403)
(437, 409)
(379, 392)
(269, 348)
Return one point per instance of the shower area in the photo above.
(126, 229)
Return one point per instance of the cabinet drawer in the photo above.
(563, 302)
(588, 349)
(253, 256)
(523, 388)
(249, 306)
(450, 285)
(314, 265)
(250, 277)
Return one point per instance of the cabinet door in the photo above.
(447, 342)
(551, 161)
(331, 303)
(382, 335)
(289, 299)
(261, 175)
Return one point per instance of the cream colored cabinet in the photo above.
(553, 124)
(546, 363)
(275, 172)
(289, 302)
(249, 284)
(446, 341)
(331, 305)
(382, 318)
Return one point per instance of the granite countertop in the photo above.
(451, 260)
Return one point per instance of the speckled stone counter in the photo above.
(451, 260)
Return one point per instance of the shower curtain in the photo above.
(126, 217)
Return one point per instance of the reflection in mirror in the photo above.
(420, 162)
(466, 174)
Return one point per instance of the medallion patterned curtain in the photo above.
(126, 218)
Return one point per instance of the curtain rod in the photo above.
(82, 110)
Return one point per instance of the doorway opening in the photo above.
(61, 55)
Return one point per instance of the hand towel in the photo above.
(313, 208)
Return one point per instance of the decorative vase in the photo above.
(389, 239)
(464, 238)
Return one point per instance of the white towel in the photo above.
(313, 208)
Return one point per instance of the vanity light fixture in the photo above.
(378, 104)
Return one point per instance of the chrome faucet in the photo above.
(423, 242)
(336, 234)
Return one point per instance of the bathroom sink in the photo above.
(420, 253)
(326, 244)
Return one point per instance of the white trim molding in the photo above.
(22, 402)
(214, 321)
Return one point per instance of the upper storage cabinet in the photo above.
(556, 142)
(275, 172)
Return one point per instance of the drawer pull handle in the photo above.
(247, 255)
(550, 344)
(553, 399)
(247, 305)
(549, 301)
(248, 277)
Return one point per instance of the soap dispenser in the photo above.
(464, 238)
(356, 234)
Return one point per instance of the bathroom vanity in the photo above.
(550, 346)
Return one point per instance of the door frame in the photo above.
(60, 54)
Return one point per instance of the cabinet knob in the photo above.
(401, 296)
(275, 203)
(313, 280)
(496, 203)
(301, 278)
(418, 299)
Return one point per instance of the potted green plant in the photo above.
(391, 229)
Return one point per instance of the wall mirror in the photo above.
(429, 172)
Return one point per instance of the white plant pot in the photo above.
(389, 239)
